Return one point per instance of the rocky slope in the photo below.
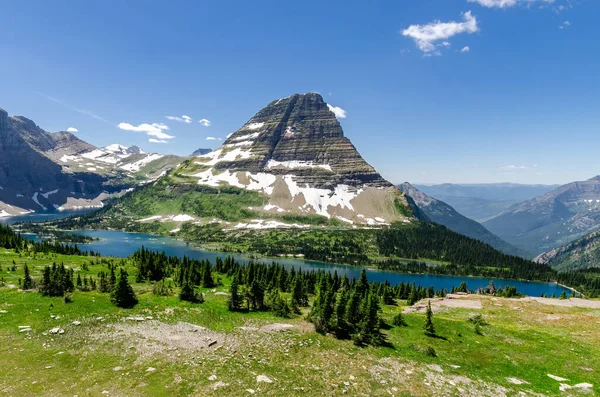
(43, 171)
(440, 212)
(551, 220)
(289, 166)
(582, 253)
(483, 201)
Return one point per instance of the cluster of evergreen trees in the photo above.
(11, 240)
(586, 281)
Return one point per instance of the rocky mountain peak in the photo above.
(295, 151)
(300, 135)
(4, 119)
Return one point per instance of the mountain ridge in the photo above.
(61, 171)
(553, 219)
(439, 212)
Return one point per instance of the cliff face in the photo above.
(44, 171)
(294, 151)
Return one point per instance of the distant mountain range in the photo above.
(46, 171)
(440, 212)
(552, 219)
(483, 201)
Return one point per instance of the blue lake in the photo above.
(122, 244)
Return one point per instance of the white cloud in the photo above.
(154, 129)
(426, 36)
(182, 119)
(339, 112)
(204, 122)
(152, 140)
(72, 129)
(212, 138)
(513, 167)
(508, 3)
(465, 49)
(565, 25)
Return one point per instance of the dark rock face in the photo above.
(27, 174)
(200, 152)
(134, 150)
(67, 143)
(301, 132)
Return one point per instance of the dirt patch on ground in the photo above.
(572, 302)
(153, 337)
(450, 301)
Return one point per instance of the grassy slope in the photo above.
(523, 344)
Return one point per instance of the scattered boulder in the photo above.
(557, 378)
(76, 323)
(57, 331)
(263, 379)
(212, 377)
(151, 369)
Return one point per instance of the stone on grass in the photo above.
(151, 369)
(263, 379)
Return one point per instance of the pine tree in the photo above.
(322, 310)
(428, 327)
(207, 279)
(123, 295)
(343, 329)
(353, 313)
(27, 280)
(234, 302)
(369, 327)
(299, 297)
(412, 297)
(363, 284)
(398, 320)
(188, 293)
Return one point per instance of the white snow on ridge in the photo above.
(4, 214)
(93, 154)
(136, 166)
(66, 158)
(152, 218)
(217, 156)
(254, 126)
(48, 194)
(35, 198)
(321, 199)
(267, 224)
(297, 164)
(270, 207)
(182, 218)
(246, 137)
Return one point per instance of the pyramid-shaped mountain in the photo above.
(294, 153)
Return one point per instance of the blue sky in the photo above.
(434, 90)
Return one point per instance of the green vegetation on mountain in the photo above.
(580, 254)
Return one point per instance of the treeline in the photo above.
(11, 240)
(466, 256)
(586, 281)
